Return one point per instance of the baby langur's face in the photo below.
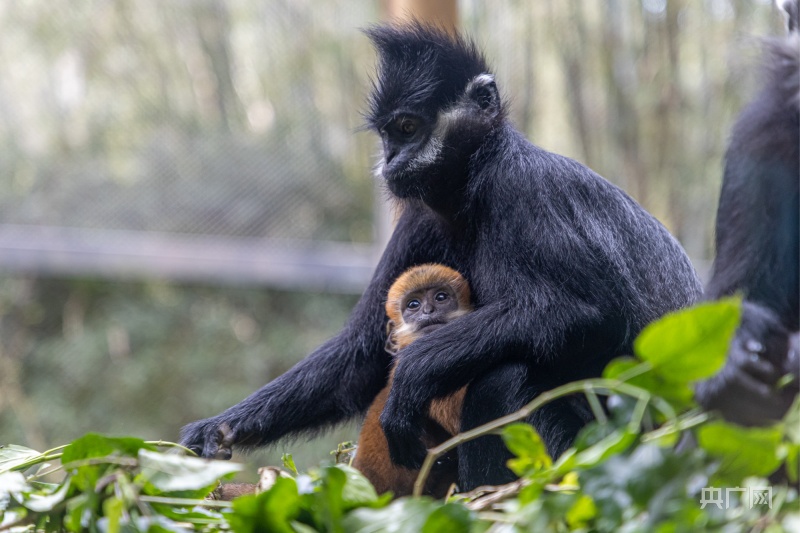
(427, 309)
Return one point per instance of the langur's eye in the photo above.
(407, 126)
(441, 296)
(413, 304)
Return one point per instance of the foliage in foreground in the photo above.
(625, 473)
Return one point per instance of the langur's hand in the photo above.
(749, 390)
(209, 438)
(403, 431)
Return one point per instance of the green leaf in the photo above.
(527, 445)
(531, 493)
(172, 473)
(272, 510)
(79, 509)
(679, 395)
(615, 443)
(157, 524)
(407, 515)
(13, 483)
(42, 503)
(12, 516)
(95, 445)
(581, 512)
(791, 422)
(288, 463)
(690, 344)
(195, 515)
(357, 490)
(339, 489)
(622, 365)
(299, 527)
(449, 518)
(793, 462)
(112, 510)
(13, 456)
(743, 451)
(329, 498)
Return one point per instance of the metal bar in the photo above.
(306, 265)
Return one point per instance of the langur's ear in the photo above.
(391, 340)
(483, 91)
(791, 9)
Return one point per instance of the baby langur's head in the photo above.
(423, 299)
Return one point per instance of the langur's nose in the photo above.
(389, 152)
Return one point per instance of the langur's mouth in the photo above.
(427, 327)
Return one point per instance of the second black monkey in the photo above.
(758, 242)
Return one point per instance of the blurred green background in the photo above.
(238, 122)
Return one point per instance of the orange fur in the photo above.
(419, 278)
(444, 417)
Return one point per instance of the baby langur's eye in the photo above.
(441, 296)
(413, 304)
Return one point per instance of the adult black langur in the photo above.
(758, 221)
(565, 270)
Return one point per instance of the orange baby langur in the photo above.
(421, 300)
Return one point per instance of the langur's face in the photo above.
(429, 308)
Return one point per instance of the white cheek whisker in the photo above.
(429, 154)
(404, 330)
(377, 169)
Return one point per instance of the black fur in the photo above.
(427, 70)
(565, 271)
(758, 221)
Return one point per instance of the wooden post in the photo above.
(442, 13)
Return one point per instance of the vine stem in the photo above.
(168, 444)
(600, 385)
(483, 498)
(51, 455)
(686, 421)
